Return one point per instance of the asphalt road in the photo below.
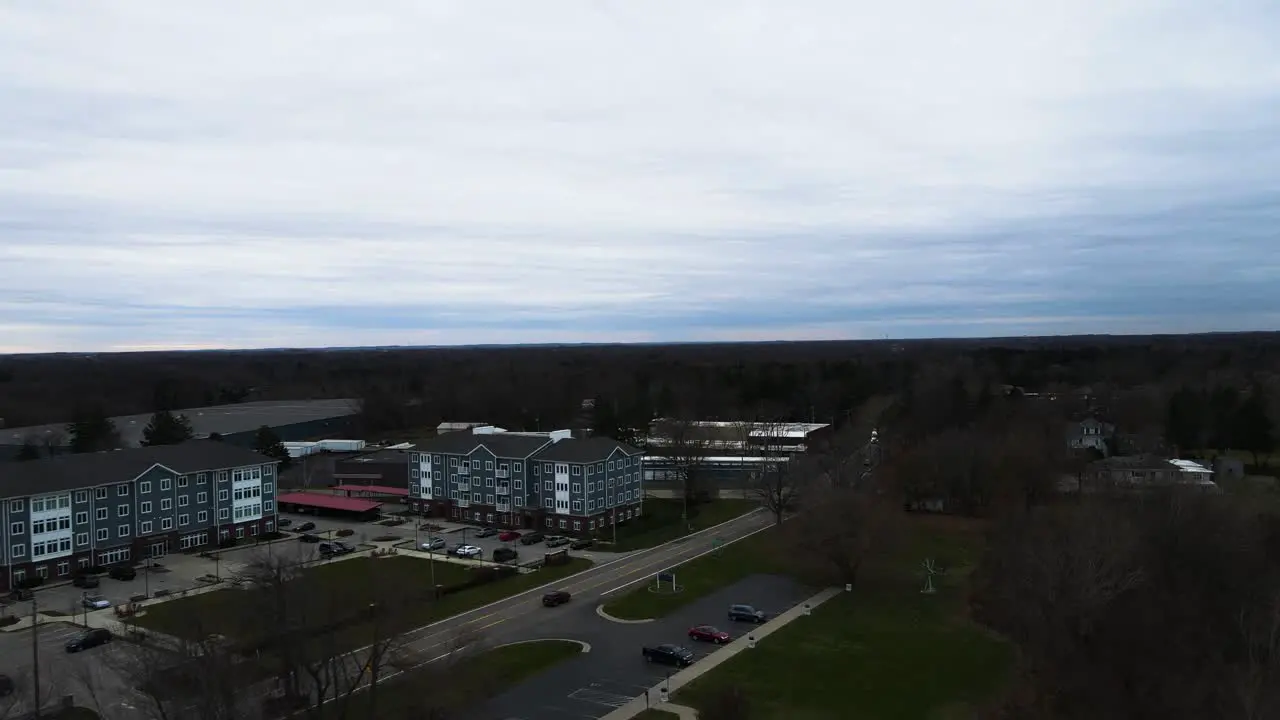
(613, 671)
(92, 676)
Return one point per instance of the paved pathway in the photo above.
(655, 696)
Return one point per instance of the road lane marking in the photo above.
(689, 559)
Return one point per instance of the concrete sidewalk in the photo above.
(653, 697)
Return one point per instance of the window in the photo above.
(112, 557)
(577, 488)
(82, 517)
(455, 512)
(453, 462)
(146, 527)
(591, 487)
(267, 470)
(222, 476)
(144, 487)
(550, 522)
(435, 459)
(516, 467)
(269, 505)
(166, 503)
(488, 499)
(145, 508)
(437, 474)
(184, 519)
(591, 505)
(104, 534)
(546, 467)
(549, 503)
(577, 524)
(82, 538)
(590, 468)
(268, 488)
(223, 514)
(83, 562)
(82, 496)
(122, 489)
(184, 500)
(488, 464)
(518, 501)
(271, 525)
(466, 464)
(476, 497)
(166, 483)
(201, 478)
(563, 523)
(123, 531)
(577, 506)
(42, 571)
(101, 513)
(202, 516)
(610, 464)
(17, 506)
(562, 468)
(202, 497)
(599, 467)
(577, 469)
(18, 551)
(519, 484)
(166, 523)
(239, 532)
(100, 493)
(223, 495)
(17, 528)
(183, 480)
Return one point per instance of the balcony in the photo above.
(463, 503)
(502, 473)
(504, 488)
(464, 471)
(503, 506)
(463, 486)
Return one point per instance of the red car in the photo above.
(509, 535)
(706, 633)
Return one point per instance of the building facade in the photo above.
(1146, 472)
(548, 481)
(65, 513)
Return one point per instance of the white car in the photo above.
(468, 551)
(96, 602)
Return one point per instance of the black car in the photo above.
(582, 544)
(86, 581)
(89, 639)
(305, 527)
(284, 522)
(555, 597)
(669, 655)
(486, 532)
(122, 572)
(531, 538)
(336, 547)
(505, 554)
(746, 613)
(309, 538)
(557, 541)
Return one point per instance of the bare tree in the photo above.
(777, 480)
(842, 528)
(685, 450)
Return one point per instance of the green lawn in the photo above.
(652, 714)
(753, 555)
(469, 680)
(893, 652)
(332, 591)
(661, 522)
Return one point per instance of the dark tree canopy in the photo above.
(92, 431)
(268, 443)
(166, 428)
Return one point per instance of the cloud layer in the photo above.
(241, 174)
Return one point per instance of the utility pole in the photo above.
(35, 657)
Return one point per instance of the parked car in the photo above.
(669, 655)
(486, 532)
(509, 536)
(558, 540)
(122, 572)
(581, 544)
(336, 547)
(505, 554)
(433, 543)
(309, 538)
(283, 522)
(746, 613)
(95, 602)
(531, 538)
(305, 527)
(468, 551)
(708, 633)
(555, 597)
(86, 581)
(89, 639)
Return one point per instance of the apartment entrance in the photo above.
(158, 550)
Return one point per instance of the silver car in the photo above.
(434, 543)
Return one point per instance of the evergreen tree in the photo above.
(29, 450)
(92, 431)
(216, 437)
(268, 443)
(1254, 426)
(166, 428)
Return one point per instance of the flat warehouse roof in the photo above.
(328, 502)
(375, 489)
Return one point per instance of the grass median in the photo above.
(663, 521)
(893, 651)
(334, 589)
(698, 578)
(651, 714)
(434, 690)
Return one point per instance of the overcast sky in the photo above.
(319, 173)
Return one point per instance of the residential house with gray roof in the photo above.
(549, 481)
(64, 513)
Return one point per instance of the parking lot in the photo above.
(614, 672)
(96, 678)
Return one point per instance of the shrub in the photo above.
(28, 583)
(345, 532)
(227, 542)
(386, 538)
(479, 576)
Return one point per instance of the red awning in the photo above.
(374, 489)
(328, 502)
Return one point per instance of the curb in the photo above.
(586, 646)
(600, 611)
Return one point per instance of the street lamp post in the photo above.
(35, 658)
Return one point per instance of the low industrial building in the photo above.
(725, 454)
(74, 511)
(545, 480)
(389, 467)
(237, 424)
(1146, 472)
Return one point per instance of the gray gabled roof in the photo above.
(70, 472)
(507, 445)
(585, 450)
